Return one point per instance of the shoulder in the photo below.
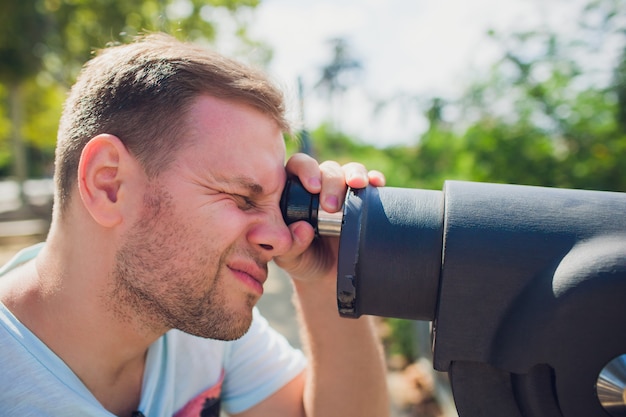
(22, 256)
(33, 378)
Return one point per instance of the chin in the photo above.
(226, 329)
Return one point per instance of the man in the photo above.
(169, 172)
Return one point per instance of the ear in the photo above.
(102, 175)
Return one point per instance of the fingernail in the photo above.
(354, 175)
(332, 202)
(315, 182)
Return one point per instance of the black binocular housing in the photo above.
(525, 287)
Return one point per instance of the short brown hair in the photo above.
(140, 92)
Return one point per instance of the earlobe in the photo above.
(100, 178)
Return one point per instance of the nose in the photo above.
(271, 234)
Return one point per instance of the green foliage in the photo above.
(44, 43)
(80, 26)
(43, 109)
(329, 144)
(23, 29)
(402, 339)
(5, 127)
(537, 118)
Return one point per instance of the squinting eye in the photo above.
(244, 203)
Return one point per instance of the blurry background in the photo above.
(515, 91)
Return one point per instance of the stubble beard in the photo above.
(157, 292)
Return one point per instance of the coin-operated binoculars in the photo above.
(525, 287)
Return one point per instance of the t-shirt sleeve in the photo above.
(258, 365)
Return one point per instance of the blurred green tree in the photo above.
(23, 29)
(551, 111)
(43, 44)
(544, 115)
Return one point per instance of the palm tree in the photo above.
(338, 75)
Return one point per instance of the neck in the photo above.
(64, 299)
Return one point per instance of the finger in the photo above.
(333, 186)
(355, 175)
(302, 234)
(307, 170)
(376, 178)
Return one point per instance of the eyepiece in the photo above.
(298, 204)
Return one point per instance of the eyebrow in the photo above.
(245, 182)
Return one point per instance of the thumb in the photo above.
(302, 235)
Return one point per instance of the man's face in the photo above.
(196, 258)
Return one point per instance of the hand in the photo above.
(311, 258)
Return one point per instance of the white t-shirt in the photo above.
(184, 376)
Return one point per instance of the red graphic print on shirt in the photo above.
(206, 404)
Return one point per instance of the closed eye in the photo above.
(244, 203)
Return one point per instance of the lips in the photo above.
(250, 271)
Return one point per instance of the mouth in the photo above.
(252, 275)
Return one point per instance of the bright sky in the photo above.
(411, 47)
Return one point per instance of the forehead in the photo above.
(234, 140)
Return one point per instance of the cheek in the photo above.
(225, 224)
(170, 238)
(193, 236)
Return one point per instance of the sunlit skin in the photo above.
(136, 256)
(196, 259)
